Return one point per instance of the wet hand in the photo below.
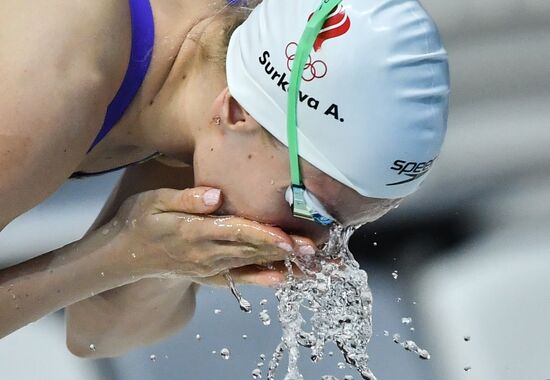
(270, 275)
(168, 232)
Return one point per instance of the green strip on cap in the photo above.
(313, 27)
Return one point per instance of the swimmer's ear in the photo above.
(235, 117)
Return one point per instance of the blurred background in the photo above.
(471, 249)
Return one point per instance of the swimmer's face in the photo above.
(235, 154)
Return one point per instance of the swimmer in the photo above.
(193, 97)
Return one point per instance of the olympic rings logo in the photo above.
(312, 69)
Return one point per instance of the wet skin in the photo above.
(184, 111)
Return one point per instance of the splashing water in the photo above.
(225, 353)
(410, 345)
(264, 317)
(336, 292)
(243, 303)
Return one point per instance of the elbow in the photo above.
(85, 350)
(80, 350)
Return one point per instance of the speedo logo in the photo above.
(411, 170)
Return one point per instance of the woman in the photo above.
(372, 115)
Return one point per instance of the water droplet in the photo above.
(348, 377)
(386, 333)
(341, 365)
(398, 299)
(414, 302)
(262, 357)
(217, 311)
(412, 329)
(395, 274)
(214, 352)
(410, 345)
(259, 364)
(257, 373)
(467, 368)
(406, 320)
(198, 337)
(224, 352)
(331, 354)
(245, 336)
(329, 377)
(467, 338)
(243, 303)
(375, 244)
(153, 357)
(263, 302)
(102, 274)
(133, 255)
(92, 347)
(265, 318)
(396, 338)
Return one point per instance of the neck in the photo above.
(149, 123)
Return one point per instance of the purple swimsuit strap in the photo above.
(143, 41)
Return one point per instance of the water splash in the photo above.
(406, 320)
(225, 353)
(264, 317)
(410, 345)
(335, 291)
(243, 303)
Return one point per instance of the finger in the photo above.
(197, 200)
(247, 232)
(238, 256)
(303, 246)
(248, 275)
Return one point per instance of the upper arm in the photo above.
(52, 102)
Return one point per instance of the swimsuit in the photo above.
(143, 41)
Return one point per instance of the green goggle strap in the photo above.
(313, 27)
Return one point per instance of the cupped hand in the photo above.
(169, 232)
(271, 275)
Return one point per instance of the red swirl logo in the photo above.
(336, 25)
(312, 69)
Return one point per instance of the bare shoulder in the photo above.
(61, 62)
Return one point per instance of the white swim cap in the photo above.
(374, 95)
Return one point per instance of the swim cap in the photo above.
(373, 104)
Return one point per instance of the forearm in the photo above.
(37, 287)
(135, 315)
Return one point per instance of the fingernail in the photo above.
(307, 250)
(211, 197)
(287, 247)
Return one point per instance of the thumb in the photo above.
(197, 200)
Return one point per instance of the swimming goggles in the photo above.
(302, 202)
